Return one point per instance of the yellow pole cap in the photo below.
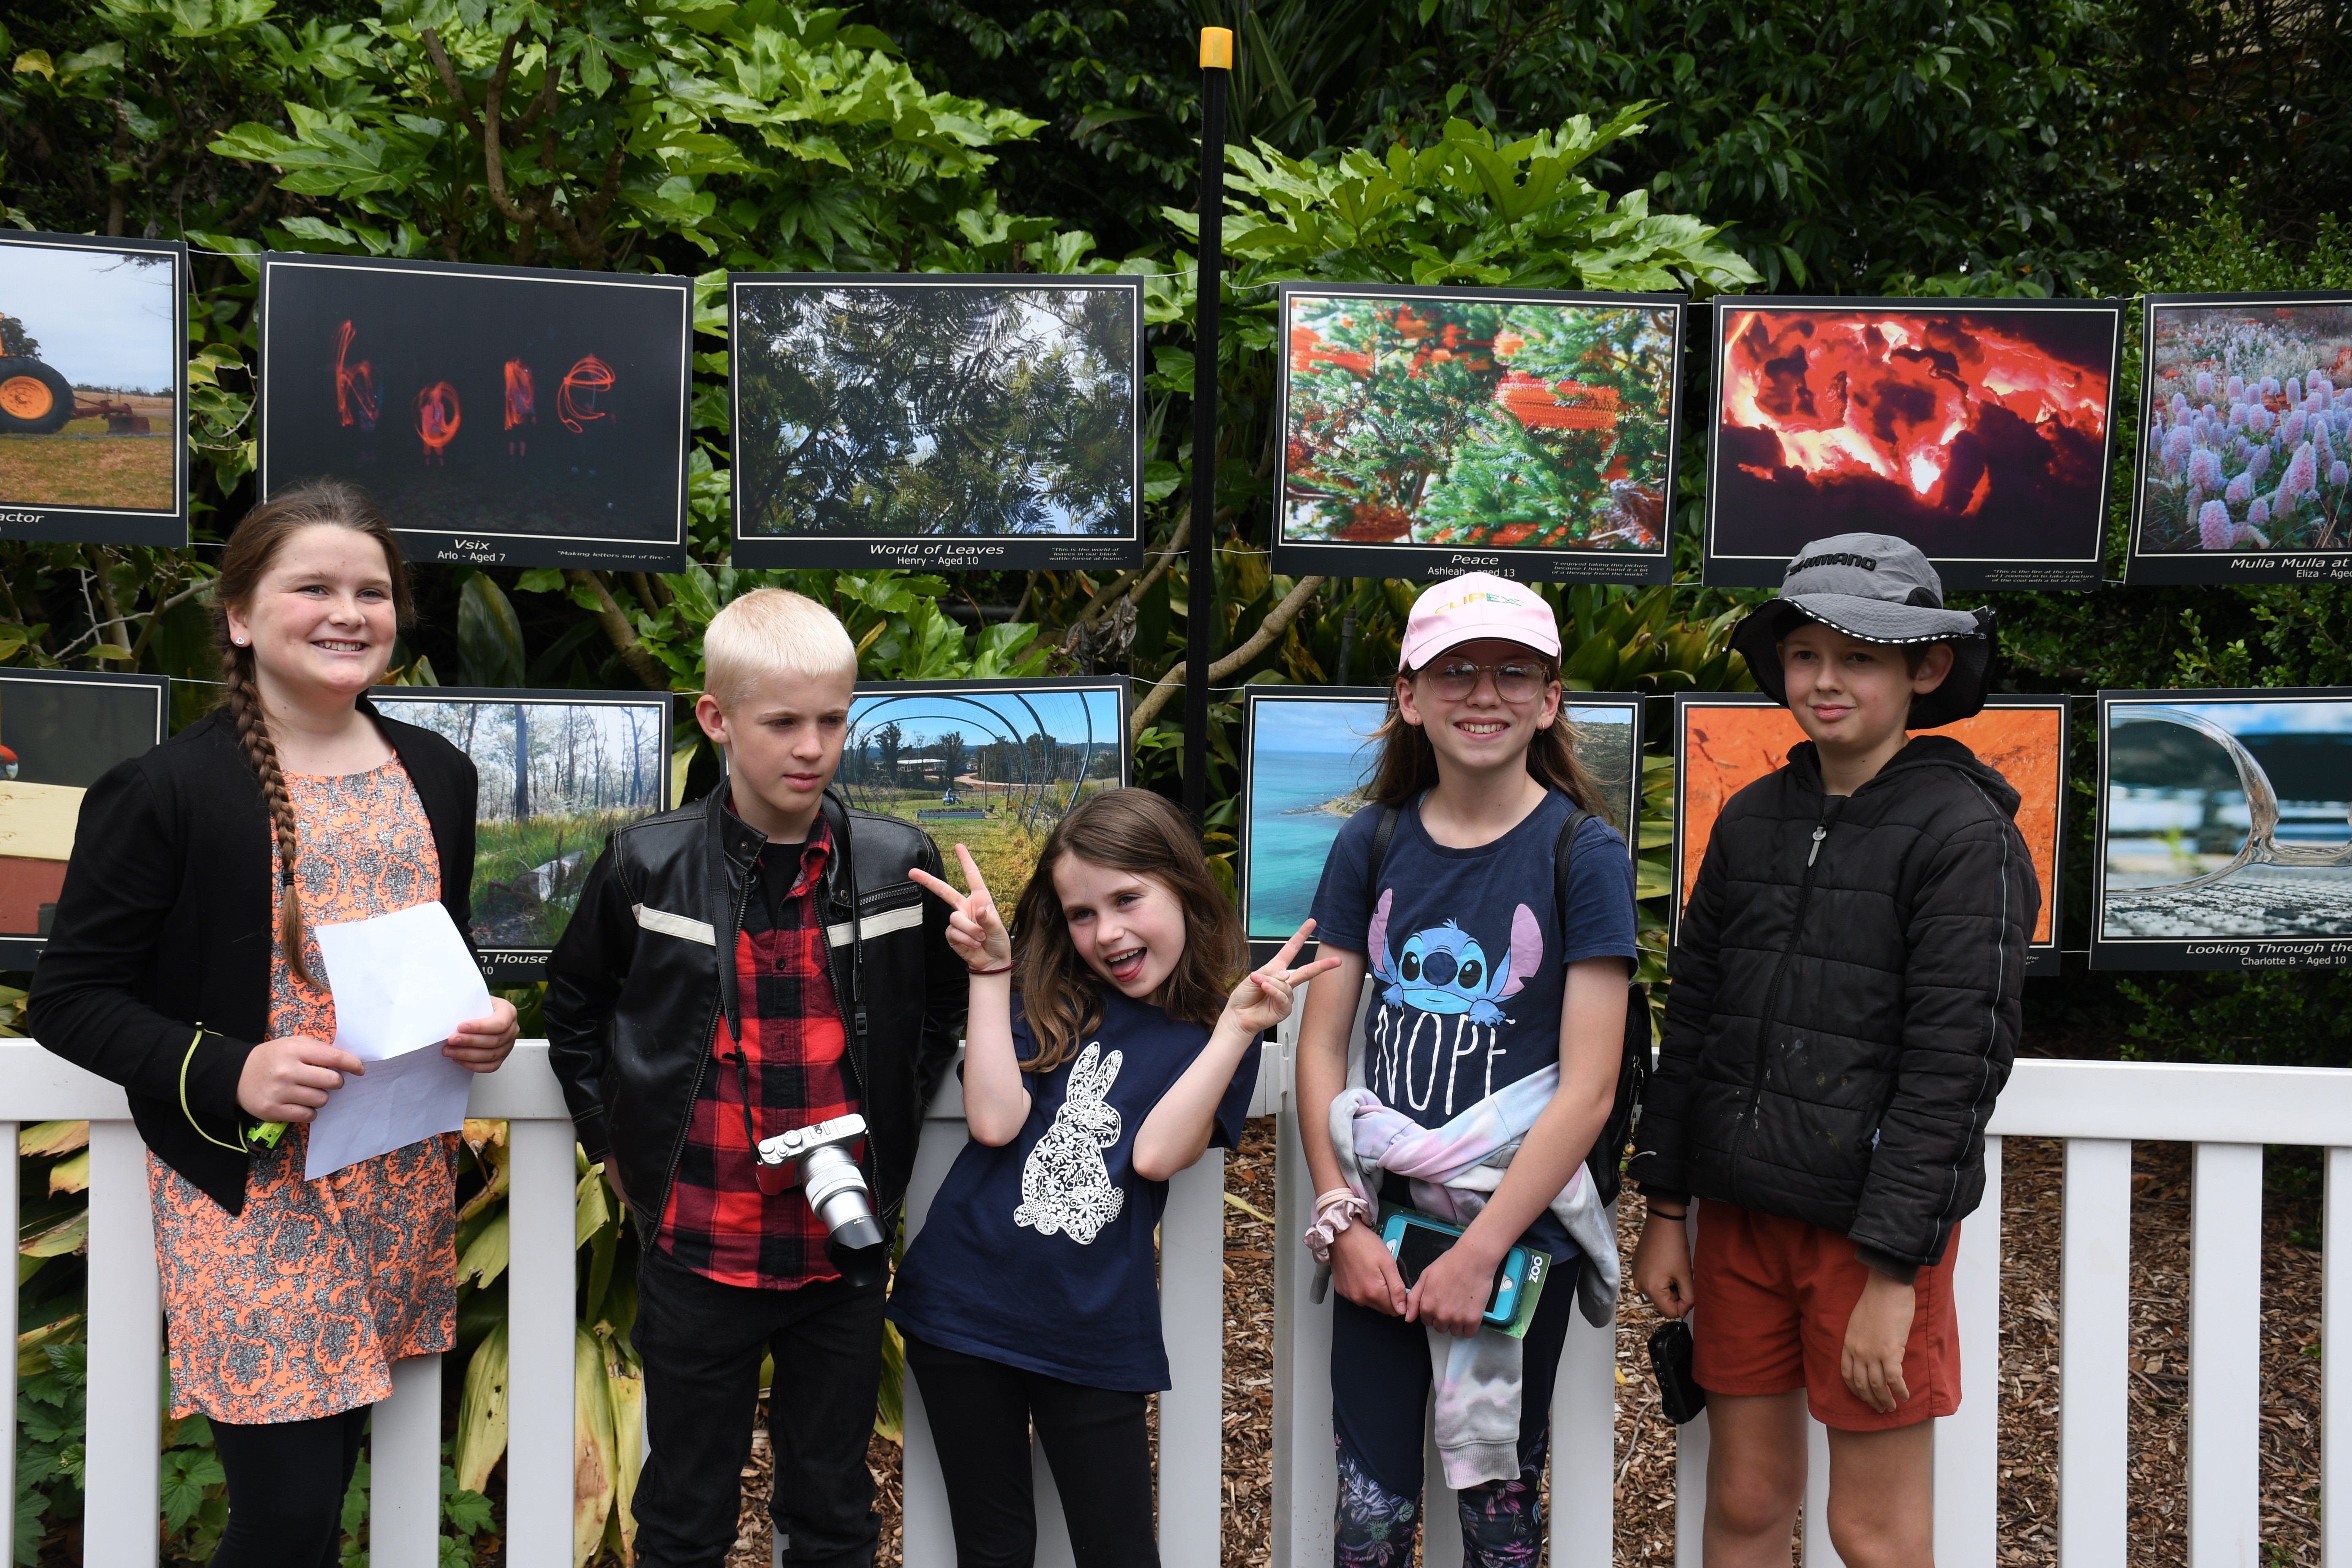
(1217, 48)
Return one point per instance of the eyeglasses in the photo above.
(1516, 680)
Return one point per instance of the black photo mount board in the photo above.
(593, 475)
(519, 962)
(93, 522)
(2071, 558)
(945, 550)
(2042, 957)
(63, 728)
(2143, 564)
(2284, 757)
(1268, 696)
(1429, 562)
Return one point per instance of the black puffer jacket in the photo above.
(1845, 1002)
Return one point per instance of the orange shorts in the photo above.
(1773, 1296)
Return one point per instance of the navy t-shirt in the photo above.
(1468, 955)
(1040, 1253)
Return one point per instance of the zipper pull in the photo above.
(1820, 831)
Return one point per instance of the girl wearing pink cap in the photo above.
(1490, 1044)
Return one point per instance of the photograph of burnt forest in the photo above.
(557, 777)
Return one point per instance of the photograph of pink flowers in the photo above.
(1427, 432)
(2245, 447)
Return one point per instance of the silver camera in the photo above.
(829, 1175)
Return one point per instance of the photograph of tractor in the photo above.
(35, 400)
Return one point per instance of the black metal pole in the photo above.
(1201, 587)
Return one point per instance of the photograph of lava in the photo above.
(60, 731)
(559, 771)
(1980, 432)
(928, 421)
(93, 389)
(500, 416)
(2245, 452)
(1434, 430)
(2225, 829)
(1724, 743)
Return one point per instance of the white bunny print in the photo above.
(1065, 1185)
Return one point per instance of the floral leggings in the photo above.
(1379, 1403)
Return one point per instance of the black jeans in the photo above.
(980, 1412)
(701, 1343)
(286, 1486)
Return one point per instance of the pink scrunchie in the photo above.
(1332, 1212)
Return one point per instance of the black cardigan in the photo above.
(162, 936)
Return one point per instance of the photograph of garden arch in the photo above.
(992, 764)
(590, 762)
(2225, 829)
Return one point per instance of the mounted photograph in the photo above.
(559, 771)
(990, 764)
(1981, 431)
(60, 730)
(2245, 447)
(936, 421)
(93, 389)
(499, 415)
(1310, 755)
(1426, 432)
(1725, 741)
(2225, 829)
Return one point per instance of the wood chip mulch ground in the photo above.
(2033, 1178)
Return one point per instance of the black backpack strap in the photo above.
(1382, 835)
(1563, 855)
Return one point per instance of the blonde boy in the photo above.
(754, 963)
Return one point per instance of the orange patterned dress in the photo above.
(296, 1307)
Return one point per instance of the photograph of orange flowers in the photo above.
(1724, 743)
(1433, 431)
(1982, 433)
(2245, 438)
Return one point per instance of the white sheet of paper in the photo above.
(402, 983)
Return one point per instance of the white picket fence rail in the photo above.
(2097, 1108)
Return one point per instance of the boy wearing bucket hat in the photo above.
(1845, 1010)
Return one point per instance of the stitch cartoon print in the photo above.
(1443, 986)
(1066, 1188)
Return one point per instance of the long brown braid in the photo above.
(252, 548)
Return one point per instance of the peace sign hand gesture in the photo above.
(1263, 999)
(974, 929)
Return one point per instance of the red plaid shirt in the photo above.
(718, 1223)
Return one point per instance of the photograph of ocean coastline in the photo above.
(991, 764)
(1981, 432)
(1311, 753)
(500, 416)
(93, 389)
(60, 730)
(974, 421)
(2245, 447)
(1723, 743)
(590, 762)
(2225, 829)
(1534, 430)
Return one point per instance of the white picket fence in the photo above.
(2098, 1107)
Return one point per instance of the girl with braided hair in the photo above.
(183, 966)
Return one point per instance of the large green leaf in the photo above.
(489, 637)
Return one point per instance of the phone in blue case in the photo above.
(1416, 1241)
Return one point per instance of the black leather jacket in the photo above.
(647, 965)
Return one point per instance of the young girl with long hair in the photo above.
(1107, 1047)
(1491, 1039)
(183, 966)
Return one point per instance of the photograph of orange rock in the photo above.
(1469, 422)
(1981, 435)
(1724, 744)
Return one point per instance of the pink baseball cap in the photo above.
(1474, 605)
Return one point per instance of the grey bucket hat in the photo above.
(1878, 588)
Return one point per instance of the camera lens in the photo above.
(836, 1190)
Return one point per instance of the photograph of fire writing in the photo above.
(2249, 438)
(1977, 433)
(1727, 746)
(426, 384)
(1471, 422)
